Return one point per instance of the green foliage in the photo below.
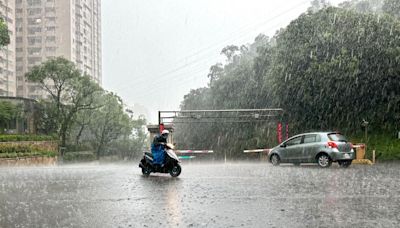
(14, 151)
(4, 35)
(78, 148)
(329, 69)
(28, 154)
(83, 156)
(70, 92)
(110, 122)
(392, 7)
(16, 138)
(326, 58)
(8, 112)
(46, 117)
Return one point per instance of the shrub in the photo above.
(78, 148)
(79, 156)
(18, 138)
(28, 154)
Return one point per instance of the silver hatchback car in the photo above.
(320, 147)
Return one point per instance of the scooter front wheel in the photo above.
(176, 170)
(146, 171)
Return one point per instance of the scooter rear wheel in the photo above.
(176, 170)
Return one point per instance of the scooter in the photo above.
(171, 163)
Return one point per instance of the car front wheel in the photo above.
(275, 160)
(324, 161)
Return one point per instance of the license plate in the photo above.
(346, 155)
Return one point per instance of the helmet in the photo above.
(165, 132)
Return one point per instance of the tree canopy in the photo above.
(328, 69)
(4, 34)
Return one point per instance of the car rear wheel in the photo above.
(275, 160)
(324, 161)
(345, 164)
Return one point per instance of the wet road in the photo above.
(214, 195)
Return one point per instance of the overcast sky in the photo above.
(156, 51)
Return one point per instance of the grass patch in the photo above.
(386, 146)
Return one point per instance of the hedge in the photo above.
(28, 154)
(4, 148)
(79, 156)
(14, 151)
(18, 138)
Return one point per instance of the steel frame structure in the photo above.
(220, 116)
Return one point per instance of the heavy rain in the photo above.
(213, 113)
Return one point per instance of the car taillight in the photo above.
(332, 145)
(351, 145)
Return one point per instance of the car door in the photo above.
(310, 147)
(292, 152)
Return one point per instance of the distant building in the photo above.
(52, 28)
(7, 53)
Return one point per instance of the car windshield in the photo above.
(337, 137)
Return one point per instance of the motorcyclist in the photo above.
(158, 147)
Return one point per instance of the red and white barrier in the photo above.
(257, 151)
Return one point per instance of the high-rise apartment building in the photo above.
(51, 28)
(7, 53)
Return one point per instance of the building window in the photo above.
(34, 2)
(34, 60)
(50, 10)
(34, 21)
(51, 39)
(51, 19)
(34, 51)
(51, 28)
(34, 11)
(33, 30)
(51, 49)
(34, 40)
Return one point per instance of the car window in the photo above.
(311, 138)
(294, 141)
(337, 137)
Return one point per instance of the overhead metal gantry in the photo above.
(220, 116)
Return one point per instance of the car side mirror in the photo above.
(283, 145)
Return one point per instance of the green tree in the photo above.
(69, 90)
(8, 112)
(4, 34)
(329, 69)
(110, 123)
(392, 7)
(316, 56)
